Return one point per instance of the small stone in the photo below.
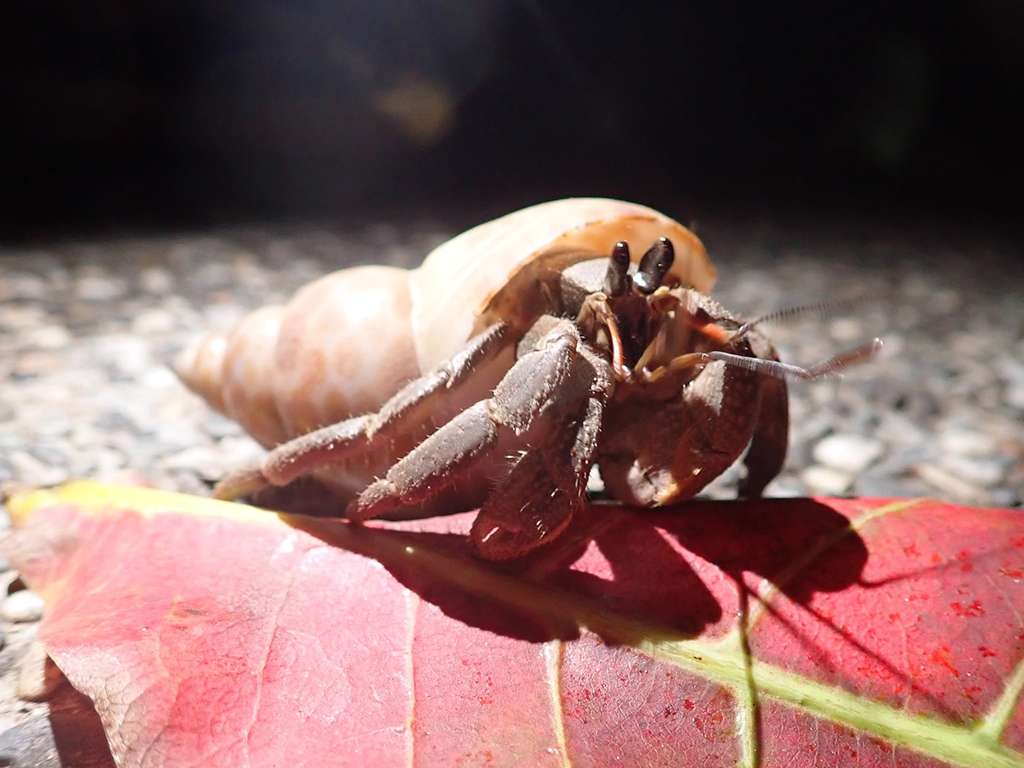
(977, 471)
(156, 280)
(950, 486)
(846, 330)
(214, 275)
(22, 607)
(967, 442)
(153, 321)
(31, 471)
(30, 743)
(127, 356)
(888, 487)
(826, 481)
(96, 288)
(84, 314)
(898, 429)
(126, 476)
(31, 364)
(58, 280)
(847, 452)
(114, 420)
(38, 676)
(809, 430)
(17, 318)
(29, 287)
(900, 461)
(1015, 396)
(48, 337)
(1004, 497)
(159, 378)
(205, 460)
(785, 487)
(218, 426)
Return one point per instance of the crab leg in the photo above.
(543, 491)
(770, 439)
(410, 407)
(545, 382)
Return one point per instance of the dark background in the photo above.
(158, 115)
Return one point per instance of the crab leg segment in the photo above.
(547, 485)
(545, 383)
(409, 408)
(786, 371)
(770, 440)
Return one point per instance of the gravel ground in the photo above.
(86, 329)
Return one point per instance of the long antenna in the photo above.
(824, 308)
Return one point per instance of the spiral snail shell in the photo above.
(348, 341)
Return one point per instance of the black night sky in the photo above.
(165, 115)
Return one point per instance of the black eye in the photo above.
(654, 265)
(615, 281)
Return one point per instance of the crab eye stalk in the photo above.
(615, 281)
(654, 265)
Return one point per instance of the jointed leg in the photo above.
(546, 486)
(767, 453)
(543, 382)
(405, 411)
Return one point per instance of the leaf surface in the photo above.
(790, 632)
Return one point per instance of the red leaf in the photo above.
(787, 632)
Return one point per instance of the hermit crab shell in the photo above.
(492, 271)
(348, 341)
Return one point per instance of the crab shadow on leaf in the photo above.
(679, 570)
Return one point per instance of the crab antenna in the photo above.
(824, 369)
(615, 281)
(819, 308)
(654, 265)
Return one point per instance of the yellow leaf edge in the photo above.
(91, 497)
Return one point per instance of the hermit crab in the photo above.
(522, 353)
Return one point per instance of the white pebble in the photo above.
(785, 487)
(967, 442)
(153, 321)
(1015, 396)
(846, 330)
(37, 677)
(91, 288)
(847, 452)
(48, 337)
(22, 606)
(977, 471)
(156, 280)
(826, 480)
(950, 486)
(30, 471)
(29, 287)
